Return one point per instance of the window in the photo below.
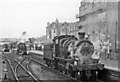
(70, 29)
(54, 26)
(93, 4)
(82, 18)
(79, 27)
(54, 30)
(50, 34)
(74, 28)
(62, 30)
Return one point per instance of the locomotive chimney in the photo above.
(81, 35)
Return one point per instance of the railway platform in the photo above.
(111, 64)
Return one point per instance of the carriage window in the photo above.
(54, 31)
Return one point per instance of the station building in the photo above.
(53, 29)
(61, 28)
(100, 17)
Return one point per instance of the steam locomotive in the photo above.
(16, 47)
(71, 56)
(21, 48)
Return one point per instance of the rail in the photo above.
(19, 63)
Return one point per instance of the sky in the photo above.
(32, 16)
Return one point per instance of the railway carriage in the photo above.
(6, 47)
(21, 48)
(71, 56)
(13, 45)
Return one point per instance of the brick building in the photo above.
(92, 16)
(61, 28)
(53, 29)
(99, 17)
(72, 29)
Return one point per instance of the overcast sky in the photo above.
(32, 16)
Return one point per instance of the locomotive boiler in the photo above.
(71, 56)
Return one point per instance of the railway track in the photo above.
(20, 70)
(49, 73)
(12, 70)
(38, 59)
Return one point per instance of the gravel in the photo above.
(44, 73)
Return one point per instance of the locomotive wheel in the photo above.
(56, 64)
(51, 64)
(101, 74)
(47, 63)
(71, 72)
(65, 71)
(83, 75)
(60, 67)
(62, 70)
(77, 75)
(93, 75)
(88, 74)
